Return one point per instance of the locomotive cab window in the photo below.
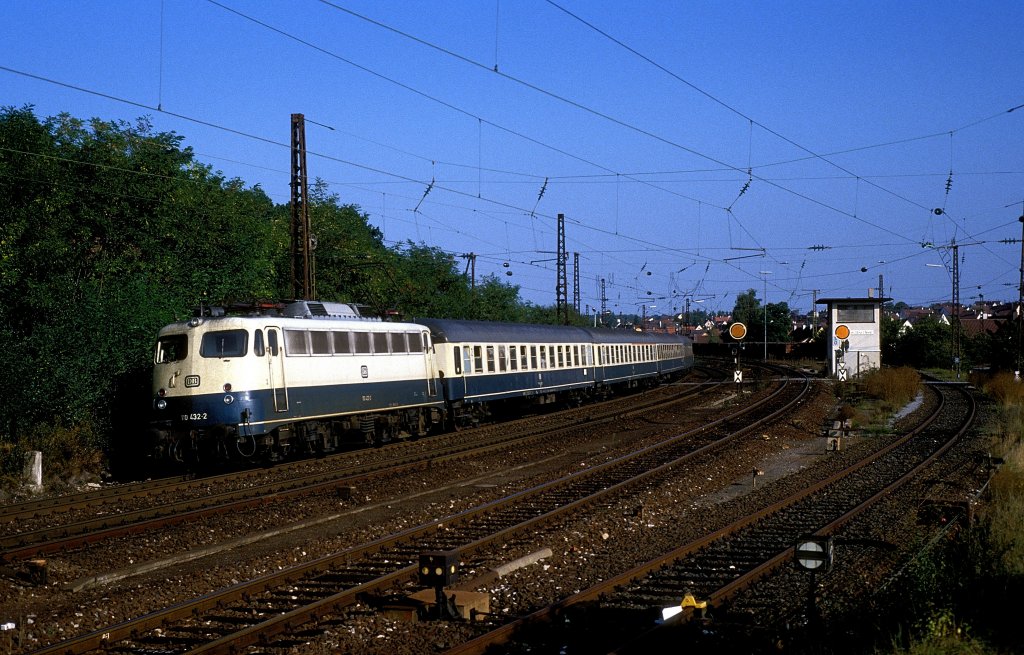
(172, 348)
(224, 343)
(380, 343)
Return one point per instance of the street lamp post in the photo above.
(765, 275)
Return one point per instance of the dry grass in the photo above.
(894, 387)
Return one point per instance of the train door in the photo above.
(275, 360)
(431, 364)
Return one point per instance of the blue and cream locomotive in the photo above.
(310, 376)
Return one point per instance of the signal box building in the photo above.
(855, 331)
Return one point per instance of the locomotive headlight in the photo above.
(161, 404)
(162, 392)
(195, 321)
(227, 387)
(228, 399)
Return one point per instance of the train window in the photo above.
(399, 343)
(513, 358)
(295, 342)
(490, 359)
(588, 355)
(533, 357)
(320, 342)
(258, 348)
(478, 359)
(361, 342)
(467, 361)
(342, 343)
(224, 343)
(524, 362)
(561, 357)
(457, 356)
(380, 343)
(501, 359)
(272, 343)
(543, 357)
(172, 348)
(416, 342)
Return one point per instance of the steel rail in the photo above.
(430, 532)
(608, 587)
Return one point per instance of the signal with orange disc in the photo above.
(737, 331)
(842, 332)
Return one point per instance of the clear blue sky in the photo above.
(682, 140)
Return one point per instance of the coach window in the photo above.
(524, 361)
(361, 341)
(467, 360)
(561, 357)
(513, 358)
(457, 357)
(501, 359)
(533, 357)
(543, 357)
(478, 359)
(320, 342)
(490, 359)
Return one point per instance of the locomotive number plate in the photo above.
(191, 380)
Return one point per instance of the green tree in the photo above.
(926, 344)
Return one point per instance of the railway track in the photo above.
(90, 517)
(257, 611)
(725, 564)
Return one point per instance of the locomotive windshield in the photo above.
(172, 348)
(224, 343)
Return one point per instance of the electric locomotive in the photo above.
(278, 379)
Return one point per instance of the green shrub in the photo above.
(69, 452)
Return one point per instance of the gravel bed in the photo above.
(584, 551)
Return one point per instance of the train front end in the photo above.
(205, 390)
